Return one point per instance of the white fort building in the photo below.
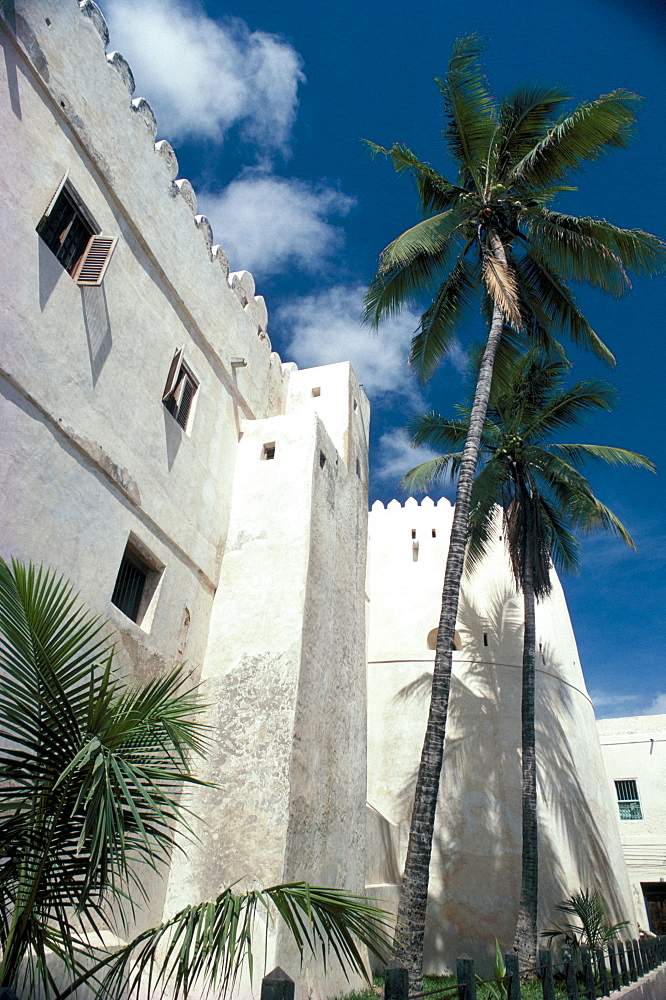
(211, 501)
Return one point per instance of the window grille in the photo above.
(180, 390)
(627, 799)
(130, 585)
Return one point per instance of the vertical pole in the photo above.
(570, 974)
(513, 975)
(588, 974)
(631, 960)
(466, 978)
(616, 978)
(546, 974)
(603, 975)
(645, 955)
(277, 985)
(396, 982)
(624, 972)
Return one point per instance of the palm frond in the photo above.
(566, 408)
(434, 429)
(577, 454)
(638, 251)
(209, 943)
(423, 477)
(440, 322)
(436, 193)
(501, 285)
(524, 117)
(410, 265)
(591, 129)
(575, 256)
(469, 108)
(545, 294)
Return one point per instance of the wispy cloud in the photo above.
(325, 327)
(267, 223)
(396, 456)
(204, 75)
(617, 705)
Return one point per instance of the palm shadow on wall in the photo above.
(477, 845)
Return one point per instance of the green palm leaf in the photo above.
(439, 323)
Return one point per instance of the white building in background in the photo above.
(634, 752)
(212, 502)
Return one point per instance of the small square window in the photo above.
(180, 390)
(316, 391)
(136, 583)
(71, 234)
(268, 454)
(627, 799)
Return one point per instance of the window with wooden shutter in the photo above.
(73, 236)
(95, 260)
(180, 390)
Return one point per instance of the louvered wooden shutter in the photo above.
(174, 368)
(95, 260)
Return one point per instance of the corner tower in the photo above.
(475, 867)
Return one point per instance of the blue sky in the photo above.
(266, 105)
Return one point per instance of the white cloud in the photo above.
(658, 706)
(618, 704)
(396, 456)
(325, 327)
(267, 223)
(203, 75)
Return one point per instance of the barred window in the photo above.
(627, 799)
(136, 583)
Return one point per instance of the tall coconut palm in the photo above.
(495, 237)
(91, 772)
(544, 500)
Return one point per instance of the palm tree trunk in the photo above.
(525, 940)
(410, 926)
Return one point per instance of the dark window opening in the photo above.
(66, 231)
(654, 895)
(434, 533)
(413, 532)
(485, 638)
(358, 468)
(322, 459)
(269, 452)
(355, 405)
(136, 584)
(180, 390)
(627, 799)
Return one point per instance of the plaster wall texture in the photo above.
(475, 870)
(91, 458)
(635, 748)
(285, 667)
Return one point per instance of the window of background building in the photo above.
(627, 799)
(180, 389)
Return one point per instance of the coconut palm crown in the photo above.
(492, 234)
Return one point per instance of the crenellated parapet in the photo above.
(411, 503)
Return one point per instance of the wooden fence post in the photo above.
(396, 981)
(588, 974)
(601, 967)
(546, 974)
(622, 957)
(616, 978)
(466, 978)
(277, 985)
(513, 975)
(570, 974)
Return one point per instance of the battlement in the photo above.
(241, 282)
(411, 503)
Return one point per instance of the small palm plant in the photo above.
(593, 930)
(91, 772)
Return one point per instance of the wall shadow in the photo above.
(173, 434)
(98, 327)
(8, 12)
(476, 860)
(50, 271)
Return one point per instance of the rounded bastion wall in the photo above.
(475, 869)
